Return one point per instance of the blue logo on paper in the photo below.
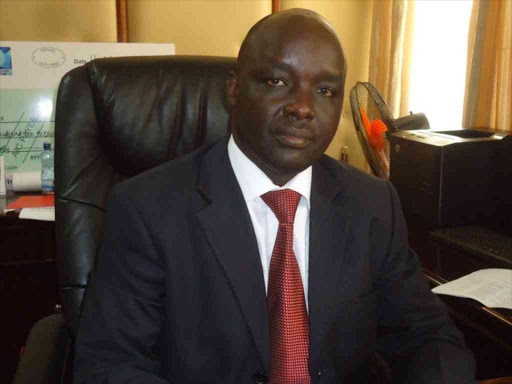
(5, 61)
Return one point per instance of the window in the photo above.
(438, 69)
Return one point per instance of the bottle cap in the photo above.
(47, 146)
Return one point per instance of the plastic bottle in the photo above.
(344, 154)
(47, 170)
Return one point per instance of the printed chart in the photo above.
(27, 120)
(30, 73)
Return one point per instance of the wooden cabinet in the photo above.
(28, 282)
(488, 332)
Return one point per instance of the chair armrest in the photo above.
(44, 355)
(501, 380)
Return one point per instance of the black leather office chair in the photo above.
(115, 118)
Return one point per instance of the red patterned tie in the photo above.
(288, 319)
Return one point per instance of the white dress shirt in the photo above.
(254, 183)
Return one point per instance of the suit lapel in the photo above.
(228, 227)
(329, 227)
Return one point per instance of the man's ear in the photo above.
(232, 87)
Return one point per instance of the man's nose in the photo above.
(301, 106)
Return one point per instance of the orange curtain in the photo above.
(488, 96)
(390, 52)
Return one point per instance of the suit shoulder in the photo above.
(350, 175)
(363, 190)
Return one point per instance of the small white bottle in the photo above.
(344, 154)
(2, 177)
(47, 170)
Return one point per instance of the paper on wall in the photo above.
(30, 73)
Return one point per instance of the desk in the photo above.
(28, 288)
(488, 332)
(28, 281)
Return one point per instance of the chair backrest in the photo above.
(115, 118)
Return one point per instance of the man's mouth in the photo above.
(294, 137)
(293, 141)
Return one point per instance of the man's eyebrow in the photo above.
(324, 75)
(330, 77)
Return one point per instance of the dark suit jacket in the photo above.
(178, 293)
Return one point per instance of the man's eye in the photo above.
(276, 82)
(326, 92)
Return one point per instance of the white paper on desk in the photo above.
(43, 213)
(491, 287)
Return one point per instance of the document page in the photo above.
(491, 287)
(41, 213)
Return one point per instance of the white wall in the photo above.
(197, 27)
(58, 20)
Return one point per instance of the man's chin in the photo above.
(291, 166)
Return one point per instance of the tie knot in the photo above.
(283, 203)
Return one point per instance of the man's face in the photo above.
(287, 100)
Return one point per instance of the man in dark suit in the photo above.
(259, 259)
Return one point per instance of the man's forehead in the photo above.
(298, 19)
(292, 28)
(296, 50)
(287, 33)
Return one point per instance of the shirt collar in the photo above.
(255, 183)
